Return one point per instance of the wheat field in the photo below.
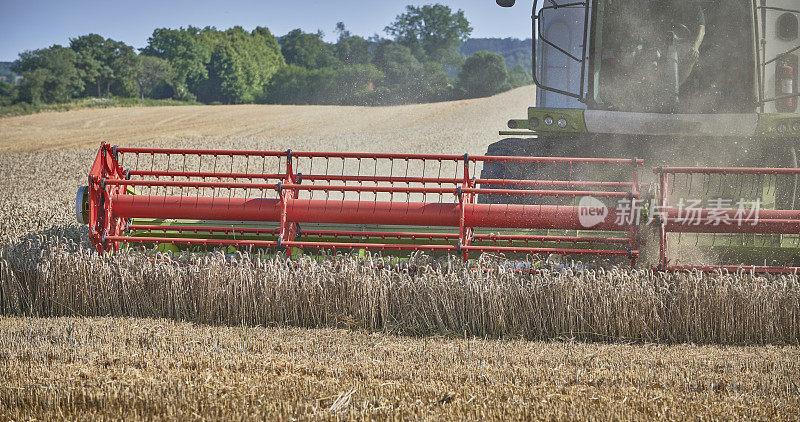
(120, 368)
(143, 336)
(436, 298)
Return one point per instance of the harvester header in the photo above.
(290, 201)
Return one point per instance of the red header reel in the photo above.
(281, 200)
(386, 202)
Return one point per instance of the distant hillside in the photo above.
(5, 70)
(516, 52)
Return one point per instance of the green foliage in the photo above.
(355, 85)
(483, 74)
(434, 83)
(50, 75)
(230, 66)
(408, 80)
(241, 65)
(307, 50)
(102, 62)
(187, 55)
(348, 85)
(516, 52)
(227, 81)
(519, 76)
(294, 84)
(125, 88)
(397, 62)
(91, 62)
(8, 94)
(351, 49)
(402, 70)
(152, 71)
(5, 70)
(432, 32)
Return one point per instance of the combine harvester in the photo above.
(615, 78)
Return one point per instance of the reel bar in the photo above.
(377, 179)
(389, 156)
(751, 226)
(376, 234)
(203, 229)
(372, 189)
(191, 241)
(727, 170)
(562, 183)
(556, 251)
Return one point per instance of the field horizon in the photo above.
(430, 127)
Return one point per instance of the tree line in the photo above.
(418, 61)
(517, 53)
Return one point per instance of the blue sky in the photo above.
(32, 24)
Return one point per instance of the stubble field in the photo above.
(68, 368)
(88, 337)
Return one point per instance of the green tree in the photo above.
(186, 54)
(347, 85)
(33, 89)
(351, 49)
(408, 80)
(150, 72)
(432, 32)
(90, 60)
(124, 62)
(434, 82)
(354, 85)
(307, 50)
(8, 94)
(289, 86)
(295, 84)
(103, 61)
(399, 65)
(483, 74)
(241, 64)
(226, 76)
(50, 75)
(519, 76)
(516, 52)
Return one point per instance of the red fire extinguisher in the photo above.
(786, 87)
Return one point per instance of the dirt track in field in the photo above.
(450, 127)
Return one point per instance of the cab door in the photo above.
(560, 70)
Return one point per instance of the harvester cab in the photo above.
(691, 83)
(659, 78)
